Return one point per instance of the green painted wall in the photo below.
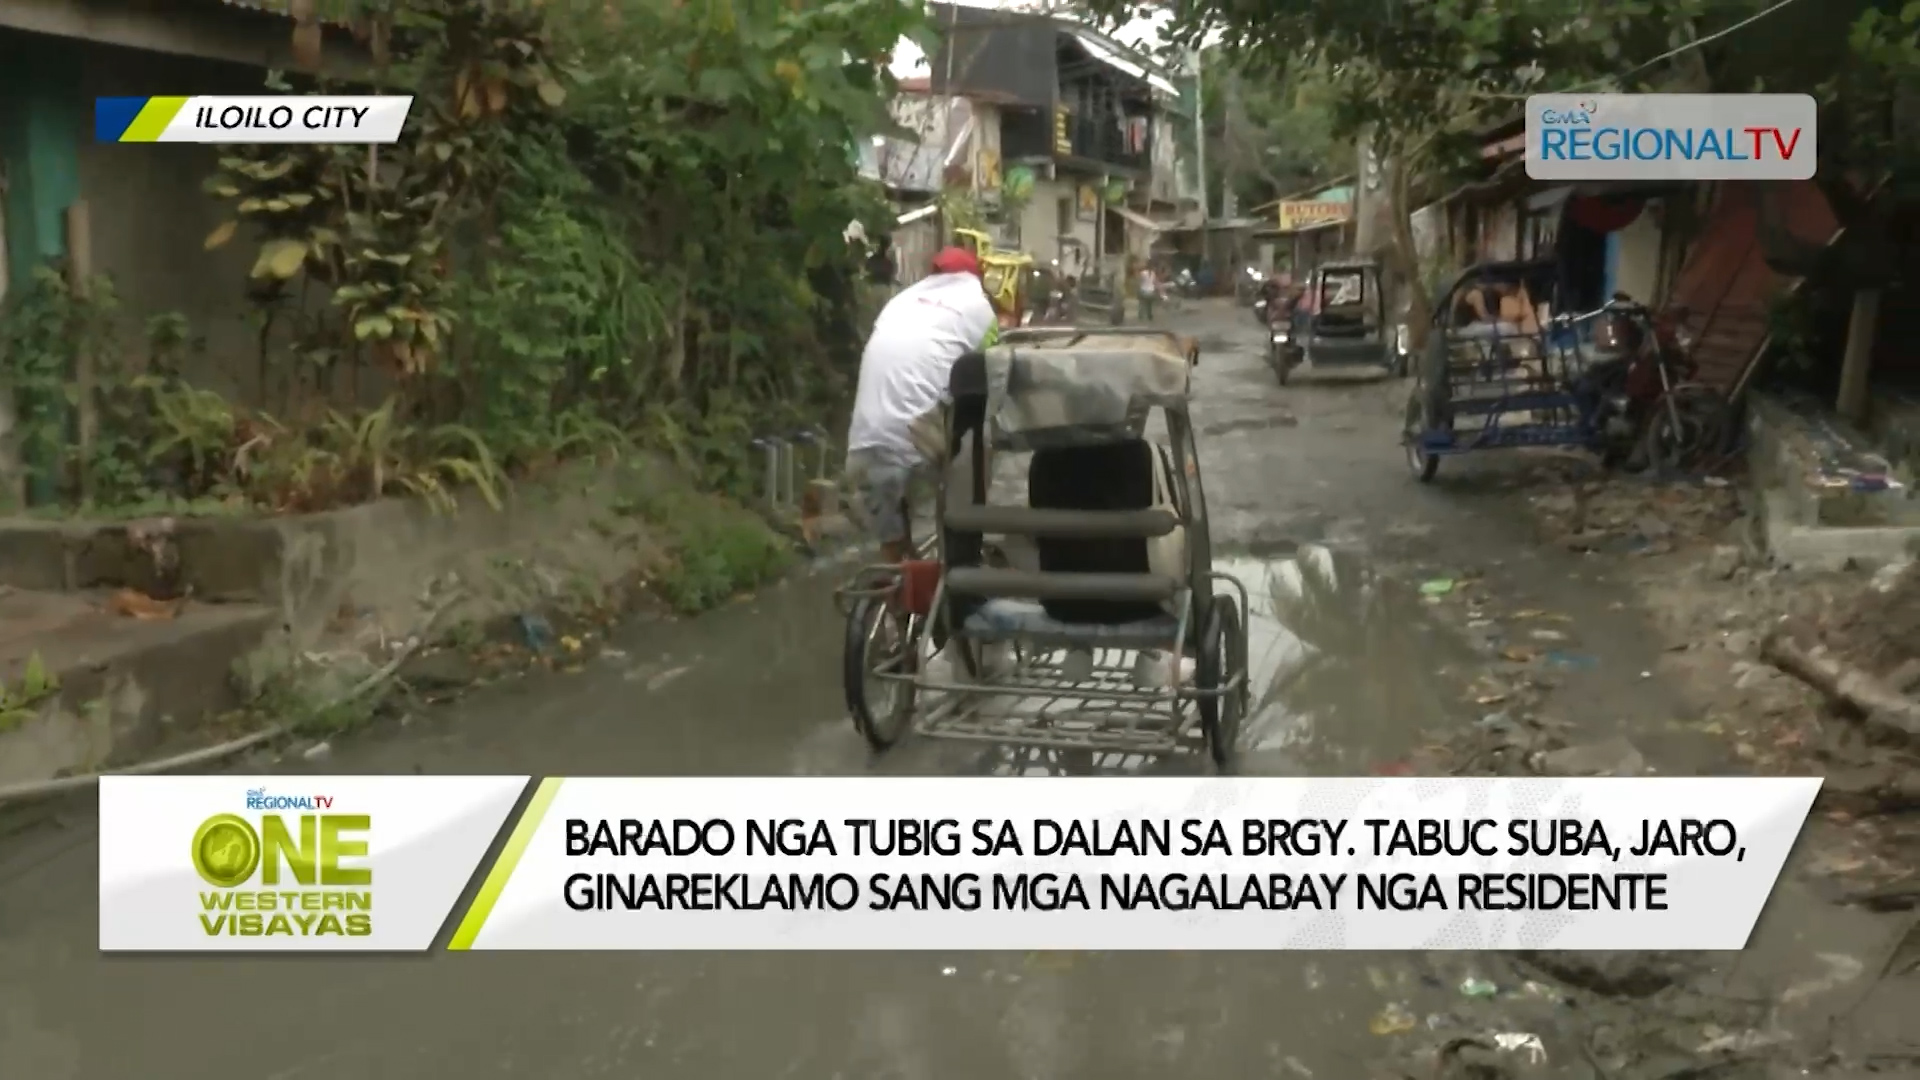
(42, 118)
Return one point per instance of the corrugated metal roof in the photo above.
(333, 12)
(1727, 283)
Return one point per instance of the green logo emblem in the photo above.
(226, 850)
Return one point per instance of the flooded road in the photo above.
(1309, 498)
(1330, 697)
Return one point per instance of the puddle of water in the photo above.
(1345, 663)
(1346, 669)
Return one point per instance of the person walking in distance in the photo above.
(1149, 289)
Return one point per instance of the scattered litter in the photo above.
(1841, 970)
(667, 676)
(1522, 1042)
(1298, 1067)
(1049, 961)
(1539, 990)
(1572, 661)
(948, 970)
(1519, 654)
(1547, 635)
(318, 751)
(138, 605)
(613, 654)
(1738, 1042)
(1392, 1020)
(1313, 978)
(570, 643)
(535, 632)
(1885, 578)
(1613, 757)
(1478, 988)
(1724, 561)
(1436, 587)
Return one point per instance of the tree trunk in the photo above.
(1856, 365)
(1403, 250)
(85, 377)
(1885, 709)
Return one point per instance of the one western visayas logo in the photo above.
(295, 874)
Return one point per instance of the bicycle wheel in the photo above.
(880, 640)
(1223, 656)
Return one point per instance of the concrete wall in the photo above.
(151, 218)
(1637, 250)
(1040, 225)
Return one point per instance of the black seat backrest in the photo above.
(968, 378)
(967, 385)
(1115, 476)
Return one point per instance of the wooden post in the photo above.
(79, 280)
(13, 485)
(1856, 365)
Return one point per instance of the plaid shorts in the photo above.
(883, 492)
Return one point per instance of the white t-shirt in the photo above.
(904, 370)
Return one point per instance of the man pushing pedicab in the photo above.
(897, 439)
(893, 443)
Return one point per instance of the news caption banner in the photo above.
(277, 118)
(1138, 864)
(291, 863)
(1671, 137)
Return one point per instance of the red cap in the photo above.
(956, 260)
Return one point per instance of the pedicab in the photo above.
(1050, 612)
(1616, 381)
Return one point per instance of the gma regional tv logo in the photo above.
(1669, 137)
(285, 874)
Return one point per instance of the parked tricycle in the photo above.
(1500, 372)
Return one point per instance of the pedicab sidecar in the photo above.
(1051, 612)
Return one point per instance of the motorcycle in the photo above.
(1646, 406)
(1052, 303)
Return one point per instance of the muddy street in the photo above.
(1350, 564)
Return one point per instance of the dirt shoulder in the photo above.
(1835, 963)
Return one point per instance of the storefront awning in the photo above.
(1137, 218)
(1305, 230)
(1550, 199)
(1108, 55)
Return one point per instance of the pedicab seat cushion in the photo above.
(1028, 618)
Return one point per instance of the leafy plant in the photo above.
(716, 551)
(19, 703)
